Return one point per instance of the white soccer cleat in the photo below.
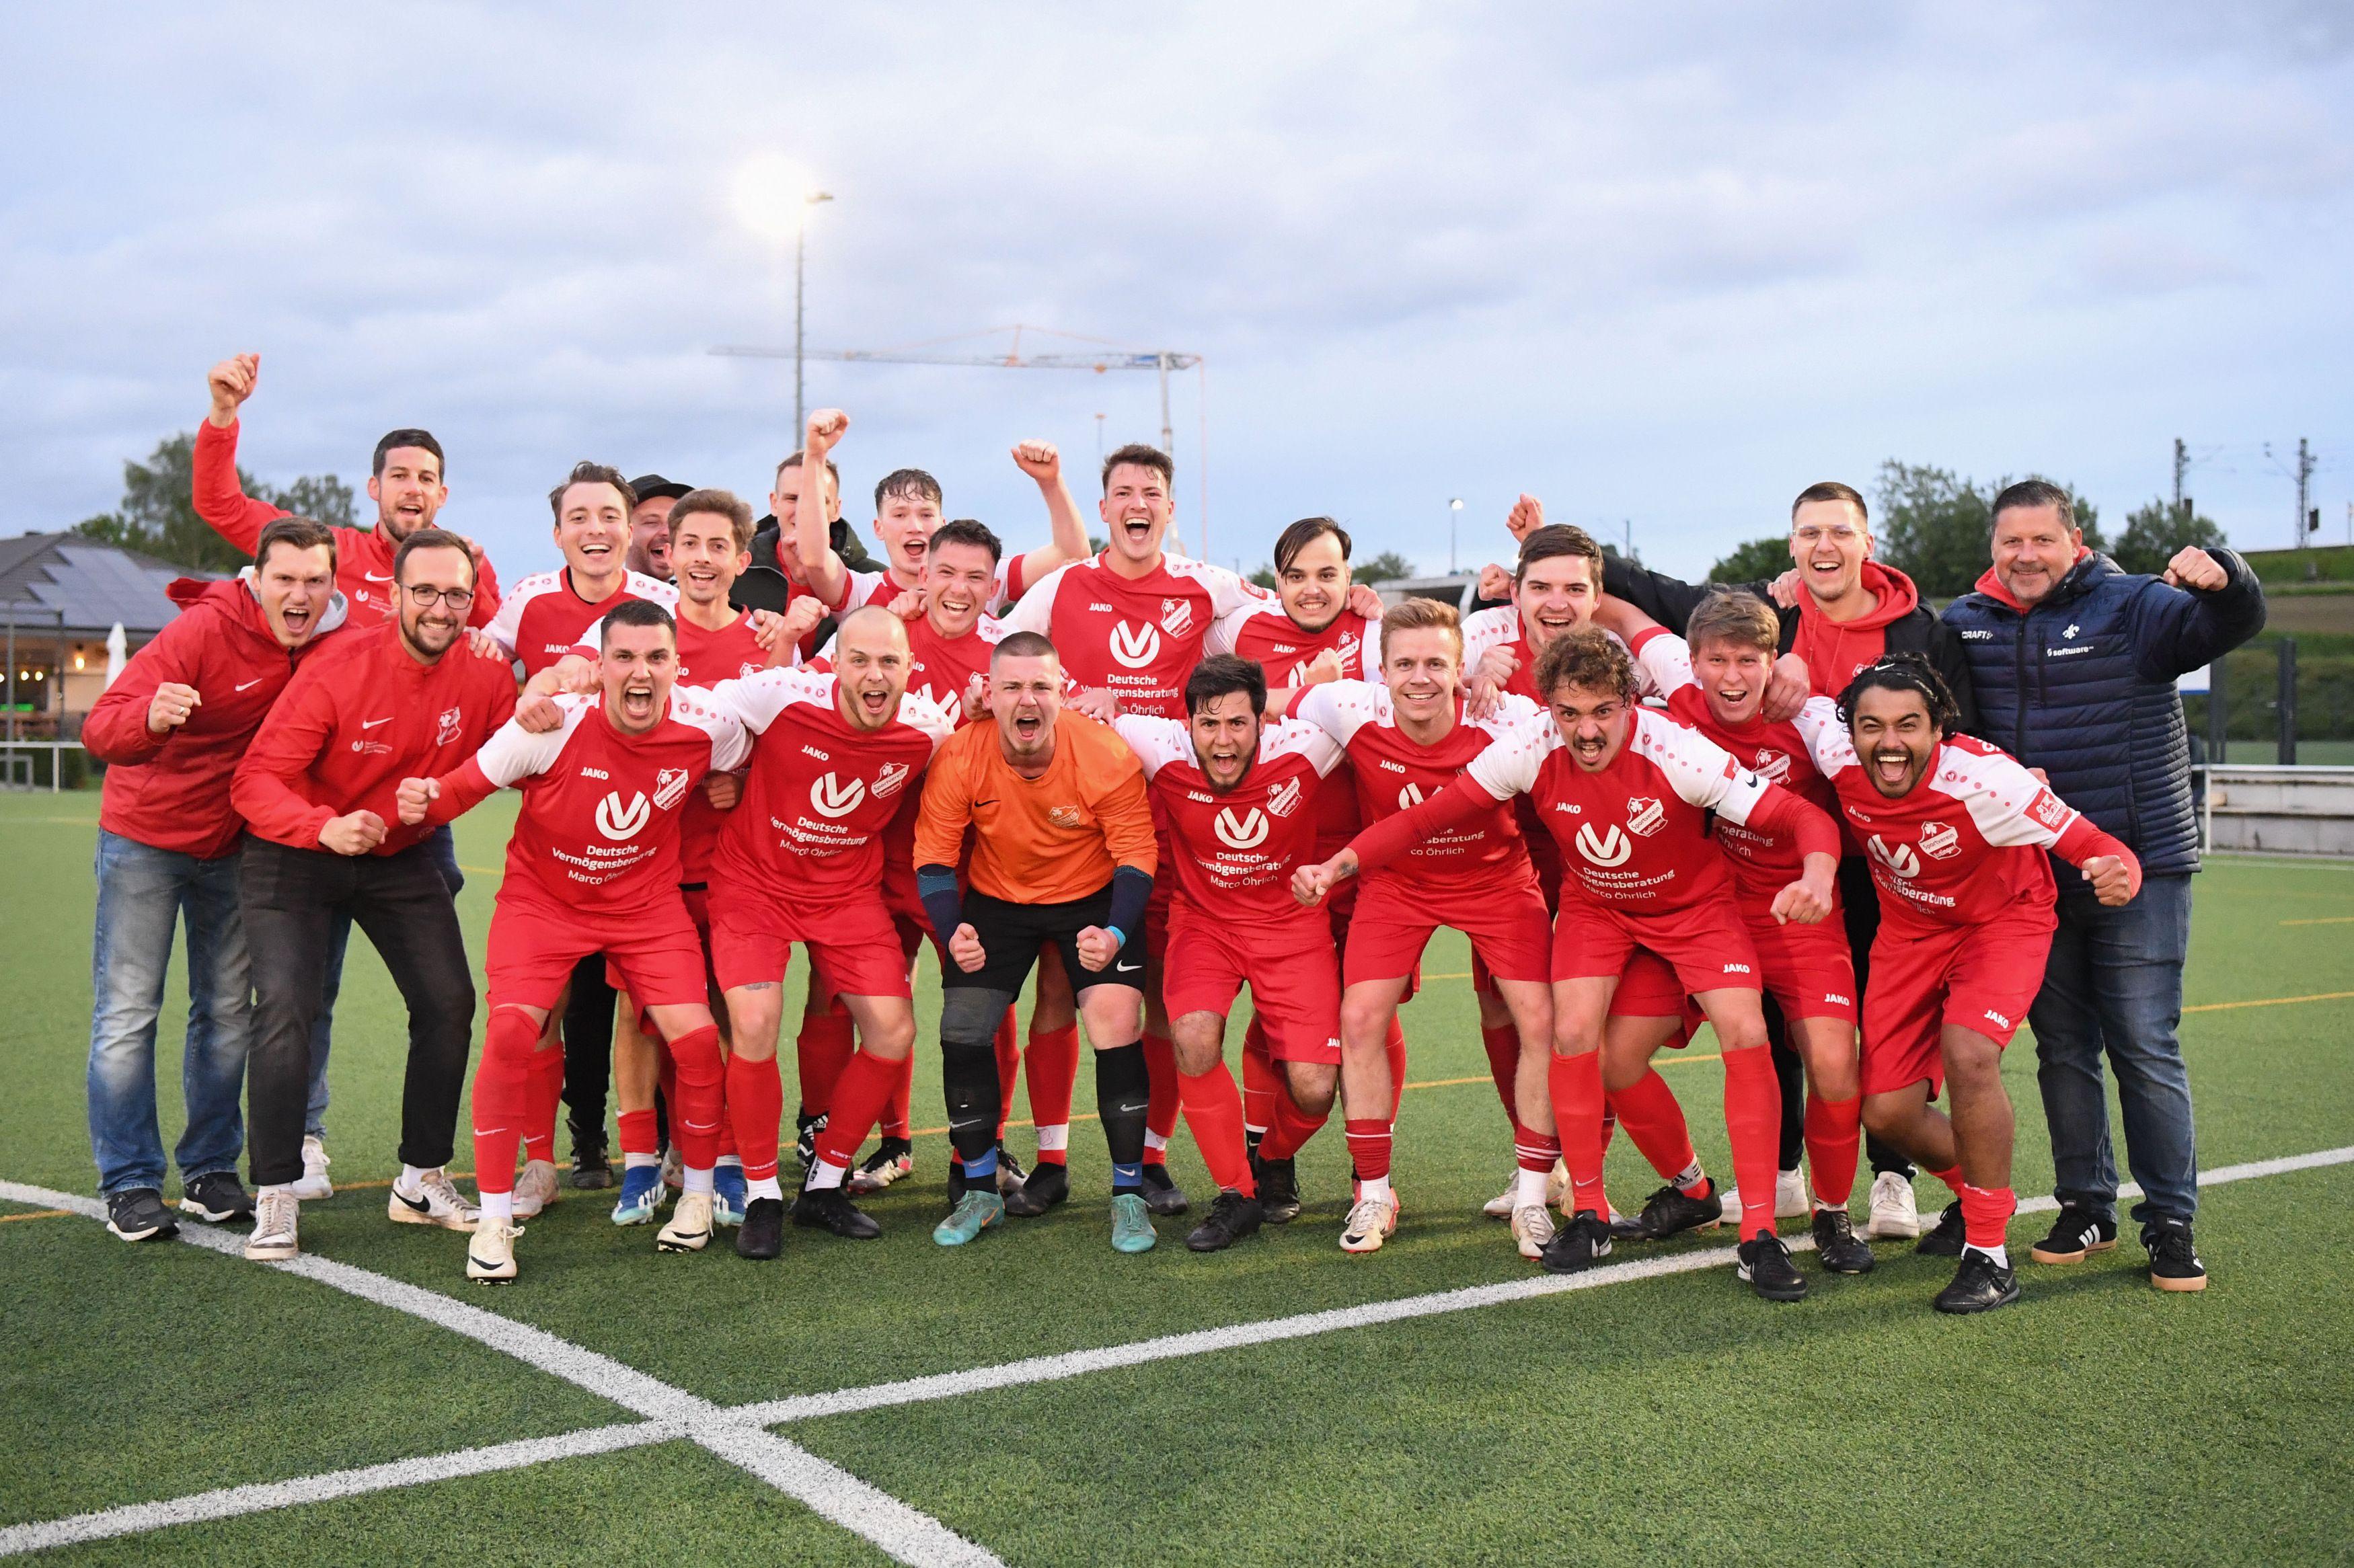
(1729, 1196)
(674, 1170)
(536, 1188)
(315, 1183)
(490, 1256)
(1500, 1207)
(1372, 1220)
(1895, 1215)
(276, 1223)
(690, 1225)
(1532, 1227)
(1791, 1200)
(435, 1203)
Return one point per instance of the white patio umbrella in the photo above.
(117, 652)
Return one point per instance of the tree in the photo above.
(1387, 566)
(2154, 533)
(1935, 526)
(157, 517)
(1265, 577)
(1758, 561)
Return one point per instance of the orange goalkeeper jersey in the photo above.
(1037, 841)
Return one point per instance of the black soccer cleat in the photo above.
(1578, 1245)
(1279, 1190)
(1836, 1243)
(1671, 1211)
(2076, 1234)
(830, 1209)
(1009, 1173)
(1046, 1186)
(140, 1216)
(591, 1171)
(1979, 1284)
(1945, 1240)
(806, 1130)
(217, 1197)
(2173, 1261)
(1232, 1217)
(762, 1233)
(1766, 1267)
(1161, 1193)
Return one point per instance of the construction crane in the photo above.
(1102, 358)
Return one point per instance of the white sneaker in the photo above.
(536, 1188)
(1500, 1207)
(314, 1182)
(1557, 1186)
(1791, 1200)
(1372, 1220)
(1730, 1196)
(690, 1225)
(435, 1203)
(1531, 1229)
(674, 1170)
(277, 1221)
(1895, 1215)
(490, 1256)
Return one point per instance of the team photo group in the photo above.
(1864, 841)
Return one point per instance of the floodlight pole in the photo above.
(800, 264)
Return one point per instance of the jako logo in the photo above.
(1900, 860)
(1135, 646)
(834, 798)
(2001, 1021)
(618, 822)
(1607, 848)
(1410, 796)
(1244, 833)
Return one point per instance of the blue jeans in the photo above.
(143, 894)
(444, 851)
(2114, 984)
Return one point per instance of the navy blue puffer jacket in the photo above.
(2081, 685)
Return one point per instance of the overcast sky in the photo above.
(1665, 267)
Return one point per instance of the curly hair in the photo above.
(1904, 673)
(1585, 658)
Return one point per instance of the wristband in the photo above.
(1119, 936)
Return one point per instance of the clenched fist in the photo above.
(170, 708)
(2194, 568)
(231, 382)
(356, 833)
(966, 949)
(825, 426)
(2113, 878)
(1039, 459)
(413, 797)
(1525, 518)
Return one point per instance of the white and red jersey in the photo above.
(1395, 774)
(1634, 835)
(600, 825)
(1261, 630)
(542, 618)
(1501, 628)
(939, 668)
(1233, 854)
(1965, 843)
(1136, 637)
(820, 793)
(705, 658)
(880, 588)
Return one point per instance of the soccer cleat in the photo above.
(1131, 1224)
(1895, 1216)
(138, 1215)
(1371, 1221)
(1838, 1245)
(728, 1195)
(893, 1158)
(673, 1168)
(1945, 1240)
(1623, 1227)
(1533, 1228)
(1279, 1190)
(490, 1254)
(1009, 1173)
(690, 1225)
(591, 1171)
(806, 1129)
(1048, 1184)
(1578, 1245)
(314, 1184)
(762, 1233)
(276, 1223)
(1791, 1199)
(830, 1209)
(1501, 1205)
(536, 1188)
(975, 1212)
(1232, 1217)
(2076, 1234)
(217, 1197)
(641, 1195)
(1671, 1211)
(1766, 1267)
(1980, 1286)
(2173, 1262)
(435, 1203)
(1161, 1193)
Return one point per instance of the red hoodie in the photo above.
(171, 791)
(363, 557)
(1992, 585)
(351, 725)
(1837, 650)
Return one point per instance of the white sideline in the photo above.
(737, 1433)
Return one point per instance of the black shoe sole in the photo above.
(1796, 1292)
(1848, 1268)
(1166, 1204)
(160, 1233)
(1969, 1309)
(759, 1252)
(817, 1222)
(1576, 1265)
(1027, 1205)
(208, 1216)
(1282, 1213)
(2079, 1255)
(595, 1181)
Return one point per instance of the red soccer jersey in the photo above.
(1261, 630)
(705, 659)
(820, 793)
(1501, 628)
(543, 619)
(880, 589)
(1136, 637)
(1393, 774)
(1634, 835)
(1231, 854)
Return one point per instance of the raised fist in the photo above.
(1096, 948)
(413, 797)
(171, 705)
(722, 790)
(1495, 583)
(1525, 518)
(1039, 459)
(231, 382)
(2194, 568)
(825, 426)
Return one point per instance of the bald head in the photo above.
(870, 666)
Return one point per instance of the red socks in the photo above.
(695, 1115)
(859, 1097)
(1160, 1111)
(1576, 1085)
(894, 1121)
(1503, 1043)
(546, 1092)
(502, 1096)
(1951, 1176)
(1655, 1124)
(1752, 1121)
(1214, 1109)
(1834, 1128)
(638, 1132)
(1291, 1127)
(1052, 1068)
(1008, 1044)
(1536, 1150)
(1262, 1084)
(1395, 1046)
(1369, 1147)
(755, 1109)
(822, 1051)
(1986, 1215)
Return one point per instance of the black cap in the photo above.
(654, 487)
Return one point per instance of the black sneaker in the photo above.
(1836, 1243)
(2077, 1233)
(1232, 1217)
(1009, 1173)
(830, 1209)
(140, 1216)
(1161, 1193)
(1048, 1185)
(762, 1233)
(1279, 1190)
(215, 1198)
(590, 1170)
(1945, 1240)
(805, 1136)
(2173, 1262)
(1766, 1267)
(1579, 1245)
(1979, 1284)
(1671, 1211)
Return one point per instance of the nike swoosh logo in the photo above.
(422, 1205)
(979, 803)
(374, 578)
(255, 682)
(371, 724)
(1125, 969)
(961, 1126)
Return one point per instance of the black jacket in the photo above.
(763, 584)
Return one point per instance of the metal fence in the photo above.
(18, 758)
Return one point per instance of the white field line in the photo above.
(735, 1433)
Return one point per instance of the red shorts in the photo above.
(1808, 969)
(1340, 908)
(853, 943)
(1648, 988)
(1979, 978)
(1705, 944)
(698, 910)
(1294, 980)
(536, 943)
(1393, 923)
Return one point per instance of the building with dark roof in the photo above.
(60, 595)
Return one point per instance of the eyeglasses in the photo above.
(1843, 535)
(425, 596)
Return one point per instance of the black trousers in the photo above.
(290, 899)
(589, 1050)
(1860, 904)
